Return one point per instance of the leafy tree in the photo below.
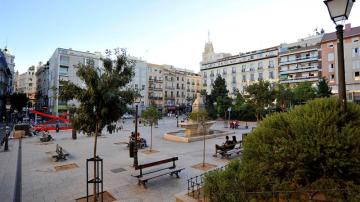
(18, 101)
(104, 98)
(304, 92)
(323, 88)
(260, 95)
(284, 96)
(312, 147)
(200, 117)
(219, 95)
(152, 116)
(239, 101)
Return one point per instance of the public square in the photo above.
(40, 181)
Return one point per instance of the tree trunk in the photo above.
(151, 136)
(95, 147)
(204, 131)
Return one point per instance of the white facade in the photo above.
(62, 68)
(241, 70)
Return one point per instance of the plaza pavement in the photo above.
(40, 181)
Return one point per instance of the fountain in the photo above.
(194, 131)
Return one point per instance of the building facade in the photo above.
(26, 83)
(5, 84)
(351, 59)
(62, 68)
(43, 87)
(300, 61)
(240, 70)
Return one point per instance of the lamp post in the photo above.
(339, 11)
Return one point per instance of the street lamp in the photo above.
(339, 11)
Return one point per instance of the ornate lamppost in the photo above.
(339, 11)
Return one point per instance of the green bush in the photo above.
(311, 147)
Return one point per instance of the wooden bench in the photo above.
(236, 150)
(61, 153)
(145, 176)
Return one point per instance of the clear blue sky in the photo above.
(160, 31)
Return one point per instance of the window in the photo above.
(330, 56)
(357, 76)
(260, 65)
(234, 79)
(271, 63)
(243, 78)
(143, 87)
(356, 64)
(355, 40)
(64, 70)
(330, 45)
(271, 75)
(233, 69)
(65, 60)
(252, 77)
(355, 52)
(136, 86)
(177, 78)
(331, 67)
(332, 77)
(260, 77)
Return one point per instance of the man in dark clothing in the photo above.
(226, 145)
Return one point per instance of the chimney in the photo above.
(347, 27)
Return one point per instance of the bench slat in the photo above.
(159, 174)
(147, 165)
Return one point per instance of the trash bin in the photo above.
(131, 149)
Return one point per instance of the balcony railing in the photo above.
(307, 69)
(300, 59)
(299, 79)
(170, 87)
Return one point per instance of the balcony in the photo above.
(260, 68)
(193, 83)
(307, 69)
(212, 75)
(204, 84)
(159, 80)
(243, 70)
(188, 90)
(298, 60)
(299, 79)
(233, 71)
(224, 73)
(170, 87)
(271, 66)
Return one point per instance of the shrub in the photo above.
(311, 147)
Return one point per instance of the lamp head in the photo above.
(339, 10)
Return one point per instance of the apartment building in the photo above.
(351, 59)
(26, 83)
(42, 86)
(301, 61)
(62, 68)
(5, 83)
(240, 70)
(172, 89)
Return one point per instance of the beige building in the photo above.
(26, 83)
(171, 89)
(351, 60)
(301, 61)
(239, 70)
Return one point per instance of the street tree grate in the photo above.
(118, 170)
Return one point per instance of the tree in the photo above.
(200, 117)
(260, 95)
(219, 95)
(311, 147)
(104, 98)
(284, 96)
(304, 92)
(152, 116)
(18, 101)
(209, 104)
(323, 88)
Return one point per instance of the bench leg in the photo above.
(177, 175)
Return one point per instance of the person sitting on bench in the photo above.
(226, 145)
(46, 136)
(141, 141)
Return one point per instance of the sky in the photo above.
(170, 32)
